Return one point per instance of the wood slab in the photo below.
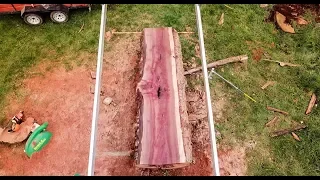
(164, 130)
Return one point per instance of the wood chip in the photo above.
(273, 121)
(311, 104)
(221, 19)
(107, 101)
(301, 21)
(228, 6)
(268, 83)
(263, 5)
(81, 28)
(93, 74)
(277, 110)
(280, 18)
(282, 63)
(295, 136)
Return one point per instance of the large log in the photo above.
(164, 130)
(19, 136)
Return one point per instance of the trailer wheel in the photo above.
(59, 16)
(33, 19)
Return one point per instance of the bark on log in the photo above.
(164, 130)
(242, 59)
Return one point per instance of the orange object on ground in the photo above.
(15, 127)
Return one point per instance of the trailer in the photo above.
(33, 14)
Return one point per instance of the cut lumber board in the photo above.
(241, 58)
(164, 131)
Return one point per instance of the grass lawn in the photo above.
(244, 29)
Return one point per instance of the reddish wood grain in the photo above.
(161, 139)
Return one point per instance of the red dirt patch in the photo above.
(63, 99)
(257, 54)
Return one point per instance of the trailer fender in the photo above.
(44, 8)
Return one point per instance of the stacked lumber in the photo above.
(164, 130)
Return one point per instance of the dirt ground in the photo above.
(63, 99)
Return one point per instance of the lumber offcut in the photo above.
(164, 130)
(286, 131)
(241, 58)
(277, 110)
(312, 102)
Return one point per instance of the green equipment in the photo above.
(37, 140)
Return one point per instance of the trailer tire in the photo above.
(59, 16)
(33, 19)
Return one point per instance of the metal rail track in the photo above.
(215, 163)
(95, 113)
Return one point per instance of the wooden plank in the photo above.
(163, 117)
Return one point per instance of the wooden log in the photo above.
(277, 110)
(19, 136)
(312, 102)
(286, 131)
(164, 130)
(242, 59)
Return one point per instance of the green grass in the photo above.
(24, 46)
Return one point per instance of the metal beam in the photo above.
(96, 102)
(215, 162)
